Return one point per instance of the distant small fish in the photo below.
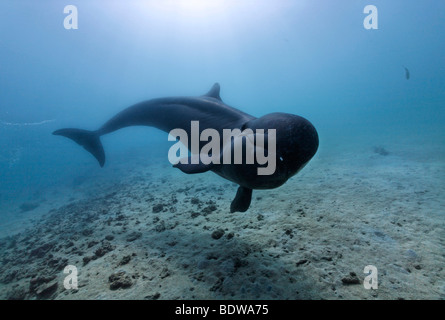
(406, 73)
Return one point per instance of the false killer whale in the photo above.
(296, 140)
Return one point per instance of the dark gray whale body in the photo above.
(296, 138)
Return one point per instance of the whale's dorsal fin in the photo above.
(214, 92)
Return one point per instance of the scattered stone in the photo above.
(104, 249)
(195, 200)
(92, 243)
(155, 296)
(125, 260)
(164, 273)
(302, 261)
(217, 234)
(218, 284)
(230, 235)
(58, 263)
(351, 279)
(109, 237)
(86, 260)
(41, 251)
(209, 209)
(119, 280)
(160, 227)
(69, 244)
(87, 232)
(195, 214)
(172, 243)
(134, 236)
(36, 282)
(47, 289)
(212, 256)
(158, 208)
(260, 217)
(301, 212)
(326, 258)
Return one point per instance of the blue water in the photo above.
(311, 58)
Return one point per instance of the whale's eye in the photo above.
(281, 159)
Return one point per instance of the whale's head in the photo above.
(292, 143)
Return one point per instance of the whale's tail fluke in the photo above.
(90, 140)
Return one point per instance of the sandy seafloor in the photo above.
(139, 229)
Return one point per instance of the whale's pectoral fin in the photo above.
(192, 165)
(90, 140)
(242, 200)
